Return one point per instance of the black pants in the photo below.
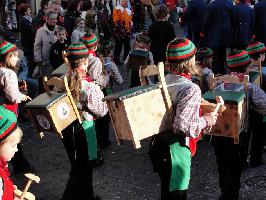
(102, 130)
(229, 157)
(119, 43)
(79, 185)
(161, 161)
(219, 58)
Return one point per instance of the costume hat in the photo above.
(8, 123)
(238, 58)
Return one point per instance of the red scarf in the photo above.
(8, 187)
(92, 52)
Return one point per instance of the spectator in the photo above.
(171, 4)
(44, 39)
(217, 32)
(242, 22)
(79, 32)
(56, 7)
(260, 16)
(122, 20)
(39, 20)
(161, 33)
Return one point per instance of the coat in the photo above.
(195, 16)
(42, 45)
(217, 28)
(242, 22)
(260, 16)
(27, 37)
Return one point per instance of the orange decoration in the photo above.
(122, 22)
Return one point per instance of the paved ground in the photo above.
(127, 173)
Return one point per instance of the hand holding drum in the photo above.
(212, 116)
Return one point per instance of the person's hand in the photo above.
(22, 85)
(211, 118)
(26, 98)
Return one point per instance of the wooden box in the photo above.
(51, 112)
(138, 113)
(60, 71)
(234, 119)
(255, 78)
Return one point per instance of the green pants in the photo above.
(89, 129)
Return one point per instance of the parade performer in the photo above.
(231, 158)
(10, 136)
(80, 141)
(114, 77)
(10, 96)
(171, 152)
(139, 56)
(95, 67)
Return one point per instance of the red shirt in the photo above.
(8, 187)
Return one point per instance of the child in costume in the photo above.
(114, 76)
(10, 96)
(204, 64)
(95, 68)
(231, 158)
(139, 56)
(80, 142)
(171, 152)
(10, 136)
(257, 50)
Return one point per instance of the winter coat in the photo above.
(195, 16)
(42, 45)
(27, 37)
(260, 16)
(217, 28)
(242, 22)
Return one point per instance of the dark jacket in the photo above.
(38, 21)
(195, 16)
(217, 28)
(260, 16)
(56, 58)
(27, 37)
(160, 33)
(242, 22)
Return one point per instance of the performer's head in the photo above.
(238, 61)
(10, 134)
(91, 41)
(204, 56)
(142, 41)
(106, 48)
(180, 54)
(78, 61)
(256, 50)
(8, 55)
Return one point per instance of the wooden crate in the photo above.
(60, 71)
(234, 119)
(51, 112)
(138, 113)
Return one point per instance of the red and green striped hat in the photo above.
(8, 123)
(90, 40)
(256, 47)
(77, 51)
(180, 50)
(6, 47)
(204, 52)
(238, 58)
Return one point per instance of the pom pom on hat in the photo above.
(90, 40)
(8, 123)
(238, 58)
(180, 50)
(77, 51)
(256, 47)
(6, 47)
(204, 52)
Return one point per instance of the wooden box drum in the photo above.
(234, 119)
(60, 71)
(51, 112)
(138, 113)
